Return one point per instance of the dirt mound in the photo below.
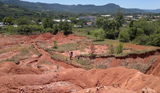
(129, 79)
(12, 68)
(79, 77)
(80, 81)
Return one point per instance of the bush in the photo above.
(24, 29)
(35, 27)
(119, 49)
(111, 49)
(124, 36)
(155, 40)
(10, 29)
(23, 21)
(55, 44)
(47, 23)
(49, 30)
(99, 33)
(142, 40)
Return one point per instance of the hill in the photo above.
(15, 11)
(108, 8)
(152, 11)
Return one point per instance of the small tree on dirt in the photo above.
(111, 49)
(92, 50)
(55, 44)
(119, 49)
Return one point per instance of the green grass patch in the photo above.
(59, 57)
(64, 47)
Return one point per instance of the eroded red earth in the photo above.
(35, 73)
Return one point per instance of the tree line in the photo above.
(26, 26)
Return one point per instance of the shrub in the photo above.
(47, 23)
(124, 36)
(119, 49)
(24, 29)
(155, 40)
(49, 30)
(23, 21)
(142, 40)
(111, 49)
(55, 44)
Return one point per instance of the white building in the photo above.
(77, 26)
(15, 25)
(128, 17)
(105, 15)
(58, 20)
(1, 24)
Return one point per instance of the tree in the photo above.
(55, 27)
(109, 26)
(23, 21)
(0, 18)
(96, 34)
(131, 23)
(119, 18)
(61, 25)
(132, 33)
(124, 36)
(142, 40)
(66, 27)
(8, 20)
(24, 30)
(80, 23)
(99, 21)
(47, 23)
(74, 20)
(155, 40)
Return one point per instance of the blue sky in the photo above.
(142, 4)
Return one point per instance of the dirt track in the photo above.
(32, 75)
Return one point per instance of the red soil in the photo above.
(138, 47)
(64, 78)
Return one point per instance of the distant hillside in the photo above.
(152, 11)
(15, 11)
(109, 8)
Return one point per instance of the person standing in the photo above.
(70, 55)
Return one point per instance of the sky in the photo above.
(141, 4)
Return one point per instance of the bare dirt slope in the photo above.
(26, 67)
(77, 80)
(129, 79)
